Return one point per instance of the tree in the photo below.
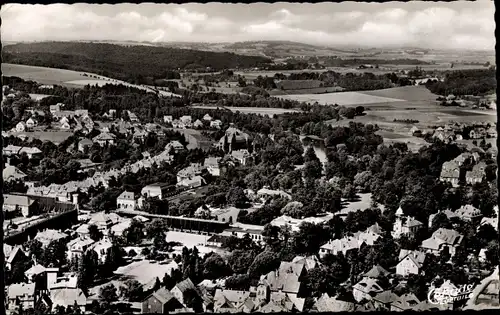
(87, 269)
(239, 282)
(359, 110)
(94, 233)
(134, 233)
(108, 293)
(54, 255)
(236, 196)
(131, 290)
(193, 300)
(349, 192)
(263, 263)
(492, 253)
(114, 258)
(215, 267)
(35, 249)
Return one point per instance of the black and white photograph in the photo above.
(249, 157)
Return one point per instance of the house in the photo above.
(167, 119)
(101, 248)
(81, 112)
(340, 245)
(326, 303)
(216, 240)
(310, 262)
(12, 173)
(38, 273)
(21, 126)
(78, 246)
(212, 165)
(48, 236)
(476, 174)
(242, 156)
(192, 170)
(462, 158)
(450, 173)
(160, 302)
(68, 297)
(159, 190)
(233, 301)
(182, 287)
(266, 193)
(383, 300)
(217, 124)
(405, 225)
(32, 152)
(30, 123)
(410, 262)
(55, 108)
(207, 117)
(84, 143)
(198, 124)
(405, 302)
(21, 295)
(177, 124)
(14, 204)
(126, 201)
(255, 235)
(132, 117)
(64, 120)
(287, 278)
(140, 135)
(187, 121)
(469, 213)
(234, 139)
(442, 238)
(415, 131)
(376, 272)
(174, 145)
(16, 255)
(491, 221)
(105, 138)
(65, 125)
(104, 221)
(11, 150)
(365, 289)
(283, 302)
(194, 182)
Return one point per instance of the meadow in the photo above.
(262, 110)
(67, 78)
(341, 98)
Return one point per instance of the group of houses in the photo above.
(186, 122)
(467, 168)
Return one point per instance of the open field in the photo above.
(341, 98)
(68, 78)
(262, 110)
(53, 136)
(38, 97)
(318, 90)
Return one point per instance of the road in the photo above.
(471, 303)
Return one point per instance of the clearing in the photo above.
(262, 110)
(68, 78)
(341, 98)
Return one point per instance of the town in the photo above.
(124, 198)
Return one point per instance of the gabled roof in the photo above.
(11, 172)
(406, 301)
(185, 285)
(17, 200)
(417, 257)
(20, 289)
(368, 285)
(163, 295)
(386, 297)
(448, 236)
(128, 195)
(331, 304)
(376, 272)
(15, 251)
(68, 297)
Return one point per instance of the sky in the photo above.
(435, 25)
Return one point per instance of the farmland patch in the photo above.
(341, 98)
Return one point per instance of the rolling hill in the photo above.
(128, 63)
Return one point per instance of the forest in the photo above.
(128, 63)
(465, 82)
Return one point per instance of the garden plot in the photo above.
(341, 98)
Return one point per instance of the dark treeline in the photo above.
(465, 82)
(339, 62)
(133, 64)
